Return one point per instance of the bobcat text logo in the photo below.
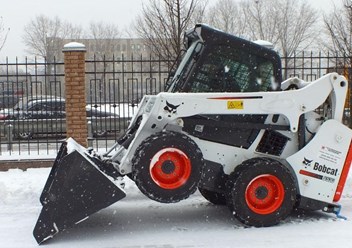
(171, 108)
(325, 169)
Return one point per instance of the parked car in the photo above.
(44, 107)
(47, 108)
(10, 93)
(8, 101)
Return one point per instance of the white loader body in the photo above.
(289, 105)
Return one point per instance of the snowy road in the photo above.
(137, 222)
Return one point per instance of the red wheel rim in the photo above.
(170, 168)
(265, 194)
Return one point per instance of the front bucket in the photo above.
(75, 189)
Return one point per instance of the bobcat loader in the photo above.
(228, 126)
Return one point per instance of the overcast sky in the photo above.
(17, 13)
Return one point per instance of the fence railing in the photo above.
(114, 88)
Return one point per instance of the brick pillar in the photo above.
(76, 119)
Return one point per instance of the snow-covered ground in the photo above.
(137, 222)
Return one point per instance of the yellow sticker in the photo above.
(234, 104)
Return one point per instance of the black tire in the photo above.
(167, 167)
(261, 192)
(214, 197)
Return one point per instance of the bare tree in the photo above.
(43, 36)
(103, 36)
(229, 16)
(288, 24)
(338, 24)
(70, 31)
(296, 26)
(296, 29)
(3, 33)
(261, 19)
(162, 24)
(199, 13)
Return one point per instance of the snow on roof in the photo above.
(264, 43)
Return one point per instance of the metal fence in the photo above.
(310, 66)
(118, 85)
(20, 80)
(114, 88)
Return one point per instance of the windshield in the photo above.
(186, 64)
(228, 69)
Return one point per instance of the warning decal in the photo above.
(330, 155)
(234, 104)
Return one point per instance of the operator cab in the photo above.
(219, 62)
(225, 63)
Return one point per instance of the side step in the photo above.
(75, 189)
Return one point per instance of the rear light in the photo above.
(3, 117)
(344, 175)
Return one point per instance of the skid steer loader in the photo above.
(226, 125)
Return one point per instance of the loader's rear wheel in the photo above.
(262, 192)
(167, 167)
(213, 197)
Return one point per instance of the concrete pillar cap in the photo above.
(74, 46)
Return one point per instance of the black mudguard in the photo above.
(75, 189)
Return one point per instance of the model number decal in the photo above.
(317, 176)
(234, 104)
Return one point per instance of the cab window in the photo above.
(232, 70)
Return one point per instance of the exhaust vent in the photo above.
(272, 143)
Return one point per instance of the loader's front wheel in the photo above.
(167, 167)
(261, 192)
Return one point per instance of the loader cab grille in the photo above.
(272, 143)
